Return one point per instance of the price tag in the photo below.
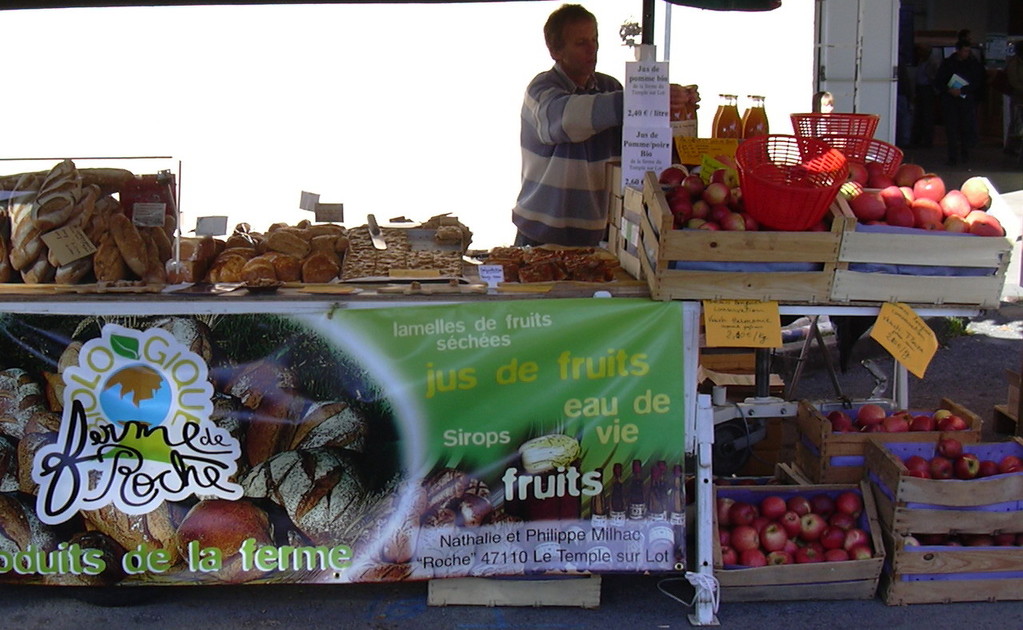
(692, 150)
(68, 244)
(905, 336)
(493, 275)
(742, 323)
(148, 214)
(308, 201)
(330, 212)
(211, 226)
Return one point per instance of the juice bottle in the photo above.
(754, 121)
(683, 121)
(727, 123)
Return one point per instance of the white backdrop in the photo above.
(393, 109)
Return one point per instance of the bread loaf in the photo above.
(225, 525)
(322, 490)
(5, 247)
(110, 553)
(41, 271)
(162, 242)
(287, 242)
(20, 527)
(331, 423)
(74, 271)
(108, 264)
(130, 244)
(227, 268)
(320, 267)
(8, 465)
(21, 397)
(259, 269)
(155, 529)
(156, 272)
(287, 267)
(28, 446)
(57, 197)
(110, 180)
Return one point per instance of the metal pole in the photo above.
(648, 22)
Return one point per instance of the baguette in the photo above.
(107, 262)
(74, 271)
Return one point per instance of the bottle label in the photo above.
(617, 518)
(637, 511)
(678, 518)
(658, 516)
(598, 520)
(684, 128)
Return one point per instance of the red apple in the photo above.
(907, 173)
(744, 537)
(717, 193)
(791, 522)
(741, 513)
(798, 504)
(879, 180)
(701, 209)
(956, 224)
(693, 185)
(987, 468)
(978, 540)
(729, 557)
(842, 520)
(893, 196)
(850, 503)
(951, 422)
(927, 214)
(941, 467)
(1010, 464)
(850, 190)
(832, 537)
(812, 526)
(922, 422)
(672, 176)
(807, 555)
(733, 222)
(776, 558)
(949, 447)
(751, 223)
(917, 463)
(983, 224)
(1004, 539)
(772, 507)
(896, 424)
(976, 192)
(836, 555)
(858, 173)
(724, 537)
(930, 186)
(752, 558)
(860, 552)
(967, 466)
(871, 413)
(855, 536)
(822, 504)
(773, 537)
(933, 539)
(710, 226)
(955, 203)
(902, 216)
(868, 206)
(841, 422)
(695, 224)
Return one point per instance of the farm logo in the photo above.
(136, 430)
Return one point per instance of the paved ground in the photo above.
(968, 368)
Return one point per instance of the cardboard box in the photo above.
(851, 579)
(829, 457)
(911, 505)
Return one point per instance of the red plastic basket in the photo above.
(820, 125)
(864, 150)
(788, 182)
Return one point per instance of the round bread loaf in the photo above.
(108, 551)
(20, 397)
(259, 269)
(320, 267)
(332, 423)
(155, 529)
(225, 525)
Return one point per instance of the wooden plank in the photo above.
(927, 249)
(895, 592)
(861, 589)
(755, 247)
(811, 287)
(855, 286)
(582, 591)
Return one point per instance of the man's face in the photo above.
(578, 57)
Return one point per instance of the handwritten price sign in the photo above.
(742, 324)
(906, 337)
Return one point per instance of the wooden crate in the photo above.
(829, 457)
(741, 261)
(624, 210)
(852, 579)
(922, 258)
(910, 505)
(1007, 415)
(582, 591)
(940, 574)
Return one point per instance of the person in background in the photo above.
(823, 103)
(925, 101)
(960, 80)
(1014, 77)
(571, 128)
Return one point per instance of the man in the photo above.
(571, 128)
(960, 81)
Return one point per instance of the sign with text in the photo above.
(516, 437)
(68, 244)
(742, 323)
(905, 336)
(646, 131)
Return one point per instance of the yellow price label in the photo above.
(742, 323)
(692, 150)
(905, 336)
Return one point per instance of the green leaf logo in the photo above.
(125, 346)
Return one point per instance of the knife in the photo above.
(374, 232)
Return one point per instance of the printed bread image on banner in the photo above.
(356, 445)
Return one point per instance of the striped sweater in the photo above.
(568, 136)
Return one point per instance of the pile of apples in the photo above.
(917, 199)
(797, 530)
(713, 205)
(873, 418)
(951, 462)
